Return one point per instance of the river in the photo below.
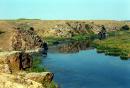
(77, 65)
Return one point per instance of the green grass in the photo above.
(118, 44)
(79, 37)
(52, 40)
(36, 65)
(53, 85)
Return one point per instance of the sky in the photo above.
(65, 9)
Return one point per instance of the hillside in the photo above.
(53, 29)
(47, 24)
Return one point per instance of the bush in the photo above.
(125, 27)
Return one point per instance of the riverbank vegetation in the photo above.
(79, 37)
(38, 67)
(117, 44)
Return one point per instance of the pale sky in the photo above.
(65, 9)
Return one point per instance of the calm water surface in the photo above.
(79, 66)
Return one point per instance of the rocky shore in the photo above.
(12, 74)
(15, 59)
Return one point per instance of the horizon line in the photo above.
(62, 19)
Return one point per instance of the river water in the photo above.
(77, 65)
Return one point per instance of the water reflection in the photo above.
(124, 58)
(74, 47)
(87, 69)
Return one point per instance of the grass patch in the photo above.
(53, 85)
(79, 37)
(118, 44)
(54, 40)
(36, 65)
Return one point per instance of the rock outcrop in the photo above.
(12, 74)
(70, 28)
(13, 81)
(14, 61)
(45, 77)
(25, 40)
(24, 80)
(55, 28)
(21, 39)
(16, 57)
(67, 30)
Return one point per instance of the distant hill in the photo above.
(127, 20)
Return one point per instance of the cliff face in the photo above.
(12, 74)
(25, 40)
(17, 45)
(67, 29)
(14, 61)
(70, 28)
(20, 39)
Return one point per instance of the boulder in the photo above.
(15, 61)
(26, 80)
(44, 77)
(16, 81)
(19, 61)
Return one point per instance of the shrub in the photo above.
(125, 27)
